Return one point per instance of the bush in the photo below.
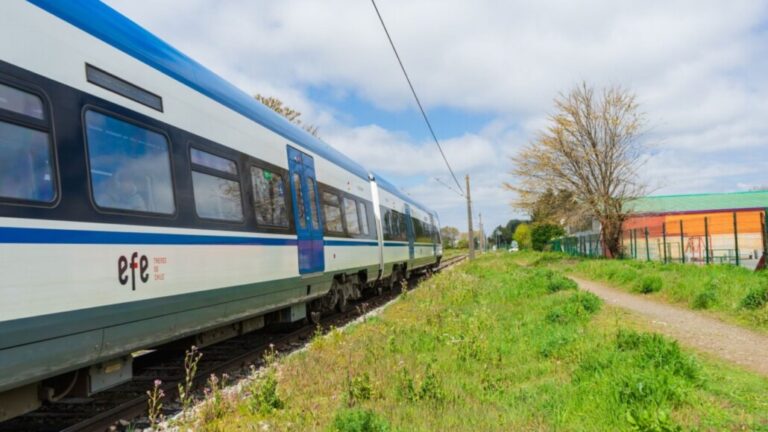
(359, 420)
(264, 398)
(359, 389)
(578, 306)
(705, 299)
(541, 234)
(649, 284)
(755, 298)
(560, 283)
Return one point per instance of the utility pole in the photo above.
(470, 236)
(482, 235)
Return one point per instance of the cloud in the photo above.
(699, 69)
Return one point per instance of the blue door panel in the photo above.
(306, 212)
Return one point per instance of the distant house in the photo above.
(692, 228)
(698, 228)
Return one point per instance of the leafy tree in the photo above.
(592, 149)
(554, 207)
(289, 113)
(542, 233)
(449, 236)
(523, 236)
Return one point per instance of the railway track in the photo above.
(119, 407)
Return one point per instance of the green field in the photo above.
(494, 346)
(731, 293)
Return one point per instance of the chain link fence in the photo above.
(738, 238)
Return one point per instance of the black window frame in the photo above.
(322, 191)
(138, 123)
(202, 169)
(288, 201)
(45, 125)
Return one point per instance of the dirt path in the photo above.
(727, 341)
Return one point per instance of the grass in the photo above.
(732, 293)
(495, 346)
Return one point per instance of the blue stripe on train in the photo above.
(64, 236)
(59, 236)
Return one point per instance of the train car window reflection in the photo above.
(332, 212)
(351, 216)
(216, 197)
(311, 188)
(214, 162)
(21, 102)
(269, 198)
(26, 169)
(363, 217)
(130, 166)
(299, 200)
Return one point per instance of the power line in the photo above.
(418, 102)
(437, 179)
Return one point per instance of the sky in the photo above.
(487, 73)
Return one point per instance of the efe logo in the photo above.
(142, 265)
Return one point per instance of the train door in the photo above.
(409, 230)
(309, 231)
(433, 234)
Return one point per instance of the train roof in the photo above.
(108, 25)
(391, 188)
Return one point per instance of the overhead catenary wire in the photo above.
(415, 96)
(437, 179)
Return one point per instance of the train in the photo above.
(146, 200)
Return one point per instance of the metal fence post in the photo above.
(682, 246)
(736, 238)
(664, 239)
(647, 249)
(706, 238)
(634, 243)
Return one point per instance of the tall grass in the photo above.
(492, 345)
(735, 293)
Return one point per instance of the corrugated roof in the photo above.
(700, 202)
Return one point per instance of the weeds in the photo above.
(155, 404)
(358, 389)
(649, 284)
(216, 405)
(191, 358)
(430, 388)
(264, 398)
(359, 420)
(755, 298)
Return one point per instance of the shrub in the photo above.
(657, 351)
(560, 283)
(359, 420)
(359, 389)
(649, 284)
(264, 397)
(578, 306)
(705, 299)
(755, 298)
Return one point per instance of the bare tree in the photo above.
(289, 113)
(592, 149)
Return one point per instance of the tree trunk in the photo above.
(611, 233)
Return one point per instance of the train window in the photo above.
(332, 212)
(361, 208)
(130, 166)
(26, 168)
(311, 187)
(299, 200)
(21, 102)
(217, 197)
(269, 197)
(215, 187)
(214, 162)
(351, 216)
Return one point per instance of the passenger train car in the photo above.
(144, 199)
